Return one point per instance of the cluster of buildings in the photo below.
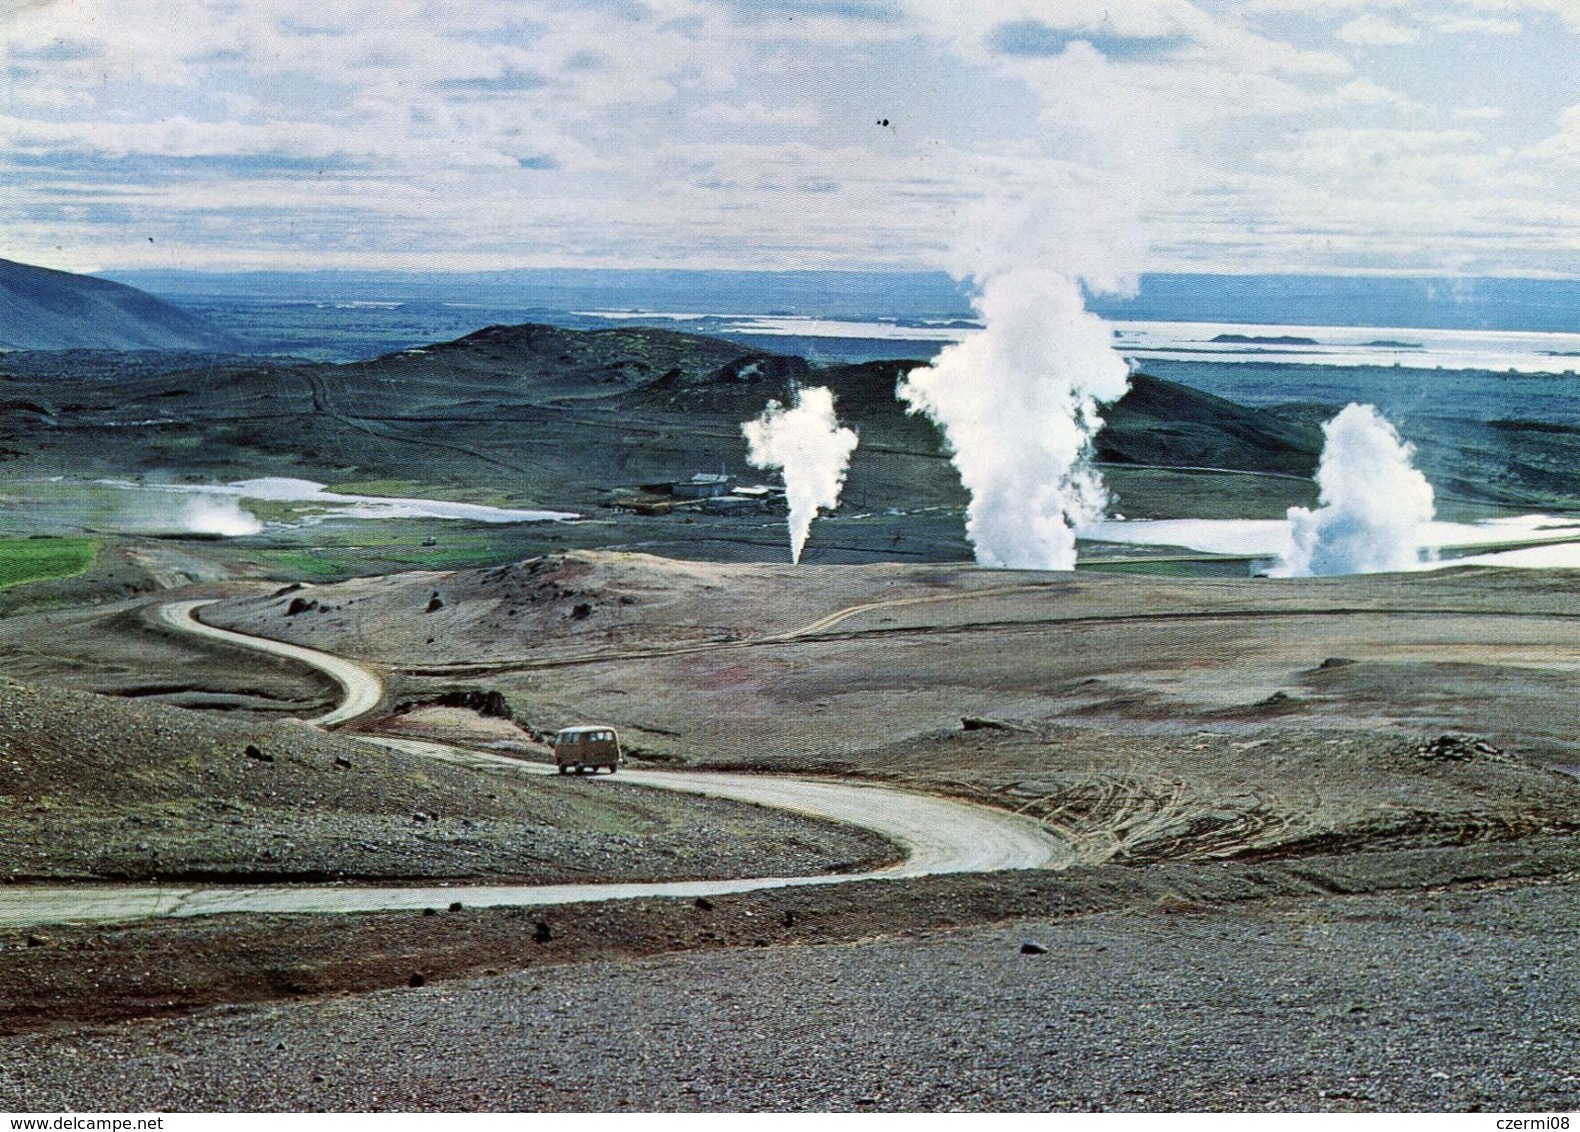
(713, 493)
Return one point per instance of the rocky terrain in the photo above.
(1121, 990)
(97, 789)
(1322, 830)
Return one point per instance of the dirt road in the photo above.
(937, 835)
(363, 687)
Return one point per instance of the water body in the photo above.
(1496, 351)
(317, 503)
(1442, 544)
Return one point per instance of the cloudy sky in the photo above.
(1113, 136)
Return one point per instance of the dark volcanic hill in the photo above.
(41, 309)
(560, 418)
(1158, 423)
(543, 363)
(1163, 423)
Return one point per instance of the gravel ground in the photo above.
(94, 788)
(1446, 1001)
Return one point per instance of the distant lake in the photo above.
(1499, 351)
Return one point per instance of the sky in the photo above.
(1337, 136)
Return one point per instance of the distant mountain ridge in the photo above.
(43, 309)
(1424, 302)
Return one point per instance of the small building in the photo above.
(703, 485)
(733, 505)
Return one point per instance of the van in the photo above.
(585, 749)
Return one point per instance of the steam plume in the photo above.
(1372, 502)
(1018, 404)
(218, 515)
(807, 442)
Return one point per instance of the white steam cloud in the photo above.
(1372, 503)
(217, 515)
(1018, 404)
(808, 444)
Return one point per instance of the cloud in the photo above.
(1473, 25)
(57, 51)
(754, 113)
(855, 11)
(1319, 8)
(1365, 92)
(16, 7)
(1375, 155)
(1377, 31)
(507, 81)
(1480, 113)
(1034, 38)
(1562, 147)
(502, 132)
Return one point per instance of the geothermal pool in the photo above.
(1527, 541)
(216, 509)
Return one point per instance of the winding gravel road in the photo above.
(362, 687)
(938, 835)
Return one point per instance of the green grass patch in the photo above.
(25, 560)
(317, 565)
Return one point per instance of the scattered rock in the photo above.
(253, 751)
(430, 911)
(704, 903)
(1336, 662)
(1032, 947)
(541, 932)
(416, 979)
(487, 703)
(342, 761)
(300, 605)
(1275, 698)
(1455, 748)
(435, 603)
(38, 941)
(455, 905)
(581, 611)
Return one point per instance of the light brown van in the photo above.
(583, 749)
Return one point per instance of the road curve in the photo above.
(362, 687)
(938, 835)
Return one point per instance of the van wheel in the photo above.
(613, 769)
(565, 770)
